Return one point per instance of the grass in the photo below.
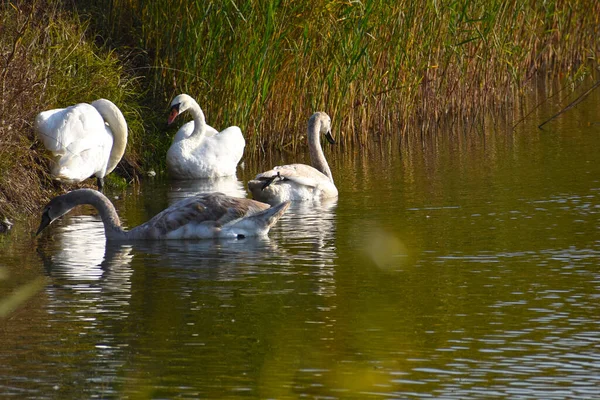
(375, 66)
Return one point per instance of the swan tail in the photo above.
(270, 216)
(261, 222)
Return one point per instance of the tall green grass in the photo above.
(377, 67)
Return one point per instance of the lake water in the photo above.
(464, 266)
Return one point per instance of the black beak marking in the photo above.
(329, 138)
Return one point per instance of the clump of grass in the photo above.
(48, 63)
(377, 68)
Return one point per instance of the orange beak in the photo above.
(172, 115)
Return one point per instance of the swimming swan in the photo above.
(203, 216)
(300, 181)
(197, 151)
(81, 141)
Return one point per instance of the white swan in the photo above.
(81, 142)
(195, 152)
(201, 217)
(299, 181)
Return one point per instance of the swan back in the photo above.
(61, 130)
(210, 215)
(118, 128)
(187, 129)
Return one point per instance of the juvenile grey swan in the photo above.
(211, 215)
(300, 182)
(84, 139)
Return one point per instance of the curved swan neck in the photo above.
(199, 120)
(118, 126)
(317, 158)
(110, 218)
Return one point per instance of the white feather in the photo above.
(198, 150)
(80, 140)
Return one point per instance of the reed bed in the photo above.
(377, 67)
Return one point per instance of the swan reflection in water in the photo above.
(78, 251)
(229, 185)
(307, 231)
(210, 260)
(91, 286)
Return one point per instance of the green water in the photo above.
(464, 266)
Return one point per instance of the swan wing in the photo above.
(78, 138)
(229, 144)
(301, 174)
(77, 166)
(214, 156)
(209, 130)
(72, 129)
(212, 209)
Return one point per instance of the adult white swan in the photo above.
(81, 141)
(300, 181)
(203, 216)
(199, 152)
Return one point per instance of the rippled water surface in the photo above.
(466, 266)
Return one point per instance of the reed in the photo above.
(377, 67)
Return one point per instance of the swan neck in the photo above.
(317, 158)
(118, 126)
(199, 121)
(108, 214)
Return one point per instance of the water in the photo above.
(462, 267)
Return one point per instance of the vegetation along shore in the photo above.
(378, 68)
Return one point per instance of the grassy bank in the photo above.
(49, 60)
(378, 68)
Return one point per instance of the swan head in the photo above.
(56, 208)
(180, 104)
(323, 121)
